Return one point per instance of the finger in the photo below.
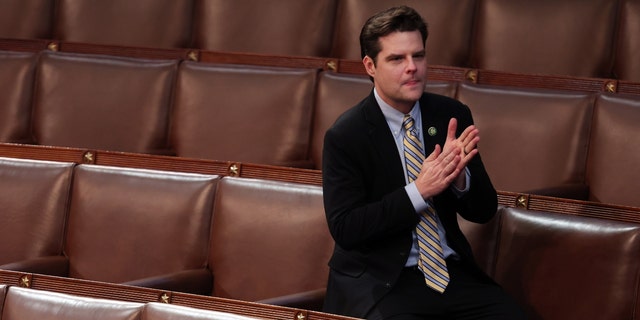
(434, 154)
(451, 130)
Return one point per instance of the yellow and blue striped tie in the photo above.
(431, 261)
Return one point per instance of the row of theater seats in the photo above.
(268, 238)
(543, 141)
(28, 304)
(228, 237)
(592, 38)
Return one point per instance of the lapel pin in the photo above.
(432, 131)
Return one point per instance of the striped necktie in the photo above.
(431, 261)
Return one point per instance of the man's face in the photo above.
(400, 71)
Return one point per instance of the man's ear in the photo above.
(369, 66)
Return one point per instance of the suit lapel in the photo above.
(383, 141)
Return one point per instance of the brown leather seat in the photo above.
(101, 102)
(561, 266)
(612, 169)
(283, 27)
(269, 239)
(627, 64)
(142, 227)
(26, 19)
(163, 311)
(532, 140)
(243, 113)
(571, 37)
(30, 304)
(16, 90)
(140, 23)
(450, 24)
(34, 200)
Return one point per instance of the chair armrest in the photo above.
(569, 191)
(52, 265)
(197, 281)
(308, 300)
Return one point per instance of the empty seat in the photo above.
(627, 64)
(34, 201)
(532, 140)
(243, 113)
(140, 23)
(571, 37)
(30, 304)
(543, 258)
(612, 173)
(26, 19)
(268, 239)
(284, 27)
(102, 102)
(142, 227)
(450, 23)
(163, 311)
(16, 90)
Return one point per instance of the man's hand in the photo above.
(446, 165)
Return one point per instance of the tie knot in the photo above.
(408, 124)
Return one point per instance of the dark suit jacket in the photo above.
(368, 211)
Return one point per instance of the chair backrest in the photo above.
(450, 24)
(164, 311)
(34, 202)
(627, 64)
(112, 103)
(243, 113)
(531, 138)
(613, 150)
(140, 23)
(26, 19)
(593, 261)
(31, 304)
(268, 239)
(571, 37)
(283, 27)
(16, 90)
(128, 224)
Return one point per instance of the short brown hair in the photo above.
(402, 18)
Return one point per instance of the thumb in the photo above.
(434, 154)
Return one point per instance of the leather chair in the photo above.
(163, 311)
(26, 19)
(3, 293)
(140, 227)
(450, 25)
(34, 200)
(627, 64)
(141, 23)
(270, 243)
(561, 266)
(612, 173)
(243, 113)
(101, 102)
(30, 304)
(284, 27)
(532, 140)
(571, 37)
(16, 90)
(338, 92)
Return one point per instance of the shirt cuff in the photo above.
(467, 184)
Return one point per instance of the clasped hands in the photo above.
(445, 165)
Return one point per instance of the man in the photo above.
(397, 167)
